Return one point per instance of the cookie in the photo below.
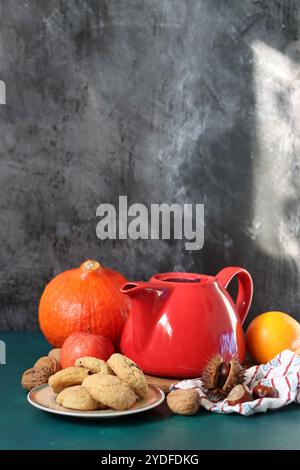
(77, 398)
(96, 366)
(67, 377)
(110, 390)
(130, 373)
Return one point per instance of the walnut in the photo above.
(47, 361)
(184, 402)
(55, 353)
(34, 377)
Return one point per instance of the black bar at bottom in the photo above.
(136, 458)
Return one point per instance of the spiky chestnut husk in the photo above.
(210, 378)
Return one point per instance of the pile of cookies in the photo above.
(93, 384)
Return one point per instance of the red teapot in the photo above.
(179, 320)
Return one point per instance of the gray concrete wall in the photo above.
(162, 100)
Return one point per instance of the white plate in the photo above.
(43, 397)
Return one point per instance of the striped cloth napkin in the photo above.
(282, 372)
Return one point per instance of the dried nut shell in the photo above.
(184, 402)
(34, 377)
(67, 377)
(55, 364)
(49, 362)
(96, 366)
(55, 353)
(209, 374)
(77, 398)
(210, 378)
(235, 377)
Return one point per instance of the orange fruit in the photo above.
(269, 334)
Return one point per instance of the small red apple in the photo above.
(81, 344)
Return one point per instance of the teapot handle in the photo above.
(245, 288)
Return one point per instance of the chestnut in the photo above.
(222, 374)
(239, 394)
(261, 391)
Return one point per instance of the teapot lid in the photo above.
(182, 278)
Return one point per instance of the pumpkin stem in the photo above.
(90, 265)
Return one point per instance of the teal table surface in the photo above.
(25, 427)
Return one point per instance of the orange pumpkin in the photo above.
(87, 298)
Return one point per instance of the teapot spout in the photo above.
(131, 288)
(147, 300)
(134, 289)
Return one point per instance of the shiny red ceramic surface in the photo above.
(179, 320)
